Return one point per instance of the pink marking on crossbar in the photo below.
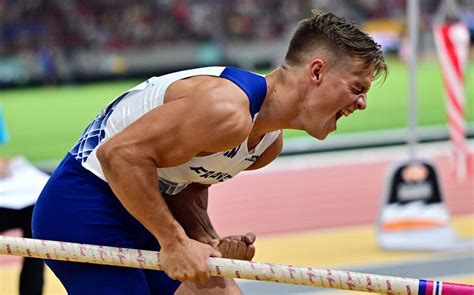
(81, 249)
(389, 288)
(330, 278)
(102, 253)
(140, 258)
(28, 252)
(369, 287)
(311, 275)
(429, 287)
(218, 269)
(121, 256)
(350, 282)
(272, 270)
(291, 270)
(456, 289)
(252, 265)
(237, 274)
(62, 246)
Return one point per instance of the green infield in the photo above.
(44, 122)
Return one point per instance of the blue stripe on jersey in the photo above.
(255, 86)
(94, 133)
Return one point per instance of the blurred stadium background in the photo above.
(62, 61)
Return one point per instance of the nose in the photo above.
(361, 102)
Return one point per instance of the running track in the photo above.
(311, 194)
(329, 191)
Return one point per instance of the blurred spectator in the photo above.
(47, 38)
(112, 24)
(20, 185)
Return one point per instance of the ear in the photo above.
(316, 69)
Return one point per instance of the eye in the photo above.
(358, 90)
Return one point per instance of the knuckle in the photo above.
(242, 248)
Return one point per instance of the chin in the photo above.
(318, 135)
(323, 137)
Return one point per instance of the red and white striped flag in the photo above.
(452, 44)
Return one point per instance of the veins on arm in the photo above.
(189, 208)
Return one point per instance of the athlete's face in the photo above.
(335, 93)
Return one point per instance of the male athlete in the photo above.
(139, 175)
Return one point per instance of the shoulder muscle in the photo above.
(209, 117)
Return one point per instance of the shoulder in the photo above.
(229, 110)
(216, 105)
(211, 90)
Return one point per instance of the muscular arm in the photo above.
(165, 137)
(190, 209)
(130, 177)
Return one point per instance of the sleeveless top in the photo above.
(139, 100)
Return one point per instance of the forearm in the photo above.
(133, 181)
(189, 207)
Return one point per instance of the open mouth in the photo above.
(341, 113)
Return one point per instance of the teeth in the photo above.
(344, 113)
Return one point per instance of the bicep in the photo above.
(173, 133)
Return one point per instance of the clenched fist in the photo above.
(237, 247)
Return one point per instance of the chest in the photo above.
(220, 166)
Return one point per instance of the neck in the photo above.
(280, 108)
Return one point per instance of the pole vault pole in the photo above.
(325, 278)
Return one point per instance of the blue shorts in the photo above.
(77, 206)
